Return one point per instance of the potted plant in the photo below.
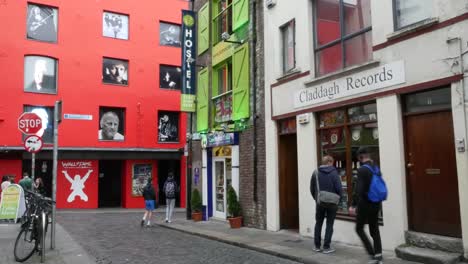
(234, 208)
(196, 205)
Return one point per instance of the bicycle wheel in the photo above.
(25, 244)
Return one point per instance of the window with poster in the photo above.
(341, 133)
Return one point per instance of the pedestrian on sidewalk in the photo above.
(5, 182)
(150, 199)
(366, 210)
(170, 188)
(325, 187)
(26, 183)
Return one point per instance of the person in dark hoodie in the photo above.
(328, 181)
(367, 211)
(150, 199)
(170, 188)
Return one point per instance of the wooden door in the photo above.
(288, 185)
(433, 203)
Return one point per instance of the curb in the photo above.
(241, 245)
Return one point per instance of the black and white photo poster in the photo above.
(42, 23)
(40, 74)
(168, 127)
(47, 117)
(169, 77)
(111, 123)
(169, 34)
(115, 25)
(115, 71)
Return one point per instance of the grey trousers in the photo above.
(170, 203)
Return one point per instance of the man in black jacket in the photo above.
(149, 195)
(367, 211)
(328, 181)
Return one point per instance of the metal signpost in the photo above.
(57, 120)
(30, 124)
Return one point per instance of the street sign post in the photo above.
(29, 123)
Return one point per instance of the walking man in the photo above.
(170, 188)
(150, 199)
(367, 211)
(325, 187)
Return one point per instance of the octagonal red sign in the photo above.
(29, 123)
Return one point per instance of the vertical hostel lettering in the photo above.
(187, 103)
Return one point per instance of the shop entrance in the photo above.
(164, 167)
(110, 183)
(43, 170)
(288, 182)
(222, 179)
(433, 202)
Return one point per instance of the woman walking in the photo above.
(150, 197)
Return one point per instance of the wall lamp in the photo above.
(226, 36)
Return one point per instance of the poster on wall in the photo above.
(40, 74)
(142, 173)
(111, 123)
(77, 184)
(169, 77)
(42, 23)
(115, 25)
(169, 34)
(115, 71)
(168, 127)
(47, 117)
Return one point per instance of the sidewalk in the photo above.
(67, 251)
(283, 244)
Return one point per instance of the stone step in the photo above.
(422, 240)
(426, 256)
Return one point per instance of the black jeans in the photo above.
(322, 212)
(369, 213)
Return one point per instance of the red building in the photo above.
(115, 66)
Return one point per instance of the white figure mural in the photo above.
(77, 186)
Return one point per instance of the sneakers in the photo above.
(317, 249)
(377, 259)
(142, 223)
(328, 250)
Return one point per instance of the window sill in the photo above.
(221, 95)
(343, 72)
(288, 74)
(413, 28)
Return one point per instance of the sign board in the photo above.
(365, 81)
(221, 139)
(33, 144)
(29, 123)
(187, 103)
(303, 118)
(77, 117)
(12, 203)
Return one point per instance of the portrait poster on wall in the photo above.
(115, 71)
(169, 34)
(40, 74)
(141, 175)
(41, 23)
(111, 123)
(168, 127)
(169, 77)
(46, 114)
(115, 25)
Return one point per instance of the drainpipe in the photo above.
(253, 83)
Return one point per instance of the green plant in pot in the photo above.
(196, 205)
(234, 208)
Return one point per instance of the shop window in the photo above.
(342, 34)
(222, 18)
(409, 12)
(288, 46)
(341, 133)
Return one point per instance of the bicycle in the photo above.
(35, 221)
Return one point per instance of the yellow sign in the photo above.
(224, 151)
(10, 203)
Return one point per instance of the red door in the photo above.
(433, 203)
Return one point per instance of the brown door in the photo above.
(289, 198)
(433, 203)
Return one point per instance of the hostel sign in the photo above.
(365, 81)
(187, 98)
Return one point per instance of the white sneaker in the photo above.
(328, 250)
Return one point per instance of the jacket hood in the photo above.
(326, 169)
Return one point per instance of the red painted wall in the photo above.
(12, 167)
(80, 50)
(64, 191)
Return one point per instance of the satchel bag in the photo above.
(324, 196)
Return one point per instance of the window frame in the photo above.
(395, 18)
(217, 13)
(341, 40)
(283, 30)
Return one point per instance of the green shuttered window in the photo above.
(203, 28)
(240, 13)
(202, 101)
(240, 99)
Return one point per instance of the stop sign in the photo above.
(29, 123)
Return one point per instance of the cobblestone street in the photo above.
(118, 238)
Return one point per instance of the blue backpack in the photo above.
(378, 189)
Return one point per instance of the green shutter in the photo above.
(240, 89)
(240, 13)
(202, 101)
(203, 28)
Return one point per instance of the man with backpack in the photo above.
(370, 192)
(325, 187)
(170, 188)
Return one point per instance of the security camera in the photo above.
(225, 36)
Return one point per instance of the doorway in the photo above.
(110, 183)
(288, 182)
(43, 170)
(222, 179)
(164, 167)
(432, 184)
